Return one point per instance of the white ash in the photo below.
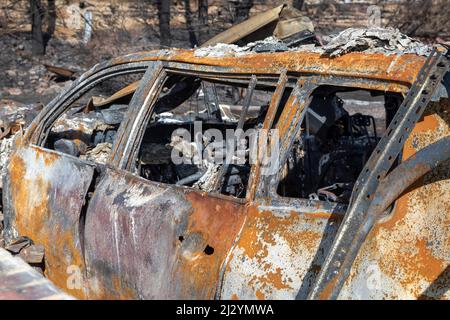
(100, 154)
(5, 150)
(86, 123)
(208, 181)
(374, 40)
(371, 40)
(220, 50)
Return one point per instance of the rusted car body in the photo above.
(132, 238)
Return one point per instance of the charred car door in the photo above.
(152, 239)
(47, 191)
(107, 232)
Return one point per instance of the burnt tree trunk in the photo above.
(164, 22)
(51, 17)
(190, 28)
(242, 10)
(203, 31)
(298, 4)
(203, 12)
(38, 47)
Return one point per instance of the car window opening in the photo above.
(341, 129)
(88, 128)
(207, 119)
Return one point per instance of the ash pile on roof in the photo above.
(270, 44)
(372, 40)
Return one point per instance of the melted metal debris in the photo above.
(372, 40)
(220, 50)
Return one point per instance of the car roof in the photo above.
(399, 70)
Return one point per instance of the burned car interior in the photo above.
(334, 145)
(183, 102)
(324, 162)
(213, 106)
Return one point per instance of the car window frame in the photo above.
(149, 109)
(306, 204)
(106, 70)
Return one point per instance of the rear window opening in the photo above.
(88, 128)
(339, 133)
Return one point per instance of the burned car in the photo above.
(348, 205)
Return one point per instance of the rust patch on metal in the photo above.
(409, 248)
(274, 253)
(46, 211)
(218, 222)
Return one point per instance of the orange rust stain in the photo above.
(49, 158)
(325, 215)
(397, 216)
(61, 253)
(218, 221)
(260, 295)
(416, 266)
(249, 241)
(275, 280)
(29, 206)
(428, 123)
(284, 123)
(226, 216)
(261, 231)
(307, 237)
(401, 70)
(121, 290)
(426, 263)
(410, 256)
(17, 174)
(234, 297)
(326, 292)
(263, 226)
